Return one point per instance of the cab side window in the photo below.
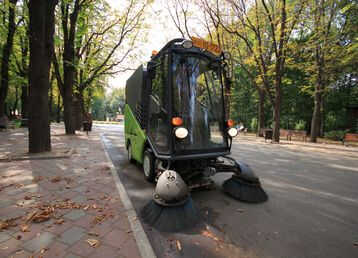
(158, 106)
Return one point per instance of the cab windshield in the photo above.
(198, 100)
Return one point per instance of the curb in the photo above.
(144, 246)
(46, 156)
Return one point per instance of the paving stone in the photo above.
(15, 191)
(14, 214)
(129, 250)
(117, 238)
(9, 247)
(80, 189)
(37, 243)
(4, 236)
(25, 236)
(80, 199)
(6, 203)
(86, 221)
(82, 247)
(104, 251)
(56, 249)
(102, 228)
(71, 256)
(20, 254)
(72, 235)
(75, 214)
(58, 229)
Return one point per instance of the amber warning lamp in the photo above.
(230, 123)
(177, 121)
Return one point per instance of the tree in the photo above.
(6, 52)
(42, 26)
(265, 29)
(90, 47)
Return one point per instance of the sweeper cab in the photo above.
(177, 124)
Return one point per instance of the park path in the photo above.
(61, 204)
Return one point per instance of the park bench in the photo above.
(299, 133)
(286, 133)
(295, 133)
(350, 137)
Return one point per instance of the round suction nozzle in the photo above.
(171, 190)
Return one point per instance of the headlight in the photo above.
(187, 44)
(181, 132)
(232, 132)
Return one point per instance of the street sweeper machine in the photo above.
(177, 127)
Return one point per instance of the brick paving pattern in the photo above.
(52, 207)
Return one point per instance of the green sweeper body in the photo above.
(177, 124)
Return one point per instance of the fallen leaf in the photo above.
(19, 185)
(99, 218)
(43, 250)
(59, 221)
(94, 206)
(4, 247)
(93, 234)
(68, 180)
(5, 224)
(86, 207)
(19, 252)
(178, 245)
(210, 235)
(37, 179)
(27, 197)
(30, 217)
(93, 242)
(56, 179)
(25, 228)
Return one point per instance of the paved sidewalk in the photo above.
(61, 204)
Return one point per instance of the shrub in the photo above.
(253, 125)
(337, 135)
(300, 125)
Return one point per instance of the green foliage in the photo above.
(300, 125)
(253, 125)
(335, 135)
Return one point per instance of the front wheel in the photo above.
(149, 166)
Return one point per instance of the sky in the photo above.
(161, 31)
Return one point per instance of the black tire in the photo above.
(129, 153)
(149, 166)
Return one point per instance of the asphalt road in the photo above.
(312, 209)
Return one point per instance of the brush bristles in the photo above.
(244, 191)
(170, 219)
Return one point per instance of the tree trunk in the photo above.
(42, 26)
(24, 101)
(276, 115)
(7, 48)
(321, 128)
(16, 99)
(261, 112)
(316, 117)
(58, 119)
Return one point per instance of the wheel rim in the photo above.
(146, 166)
(129, 153)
